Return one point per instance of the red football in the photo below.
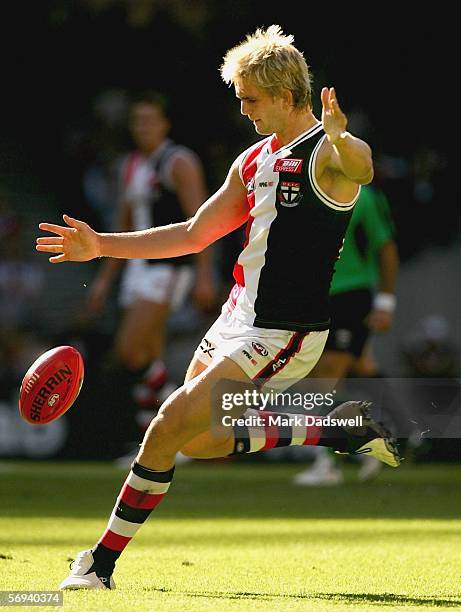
(51, 385)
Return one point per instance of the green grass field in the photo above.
(239, 536)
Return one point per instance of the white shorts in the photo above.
(161, 283)
(271, 358)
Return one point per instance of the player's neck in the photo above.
(300, 123)
(147, 151)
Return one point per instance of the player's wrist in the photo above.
(338, 139)
(384, 301)
(99, 244)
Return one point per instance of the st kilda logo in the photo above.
(289, 193)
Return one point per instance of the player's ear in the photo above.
(287, 97)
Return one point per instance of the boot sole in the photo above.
(383, 449)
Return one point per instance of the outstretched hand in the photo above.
(77, 242)
(334, 121)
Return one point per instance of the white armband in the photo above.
(384, 301)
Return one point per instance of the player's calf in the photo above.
(263, 430)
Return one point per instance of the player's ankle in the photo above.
(104, 561)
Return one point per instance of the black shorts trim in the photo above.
(291, 325)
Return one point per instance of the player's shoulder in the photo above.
(177, 153)
(255, 146)
(251, 152)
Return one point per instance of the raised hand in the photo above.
(334, 121)
(77, 242)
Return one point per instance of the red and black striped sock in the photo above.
(142, 491)
(275, 429)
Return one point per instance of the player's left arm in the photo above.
(344, 152)
(190, 185)
(382, 314)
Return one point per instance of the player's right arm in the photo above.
(223, 212)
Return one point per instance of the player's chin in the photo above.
(260, 129)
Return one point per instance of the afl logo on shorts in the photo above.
(259, 348)
(289, 194)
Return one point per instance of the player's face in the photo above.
(266, 112)
(149, 126)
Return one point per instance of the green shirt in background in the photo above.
(370, 227)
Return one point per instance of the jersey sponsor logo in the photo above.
(289, 194)
(288, 165)
(259, 348)
(265, 183)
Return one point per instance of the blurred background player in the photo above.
(161, 182)
(362, 301)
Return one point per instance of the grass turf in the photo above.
(239, 536)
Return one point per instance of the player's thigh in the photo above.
(195, 368)
(366, 365)
(141, 322)
(333, 365)
(210, 445)
(189, 411)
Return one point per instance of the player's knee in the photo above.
(335, 364)
(165, 425)
(160, 440)
(190, 451)
(177, 420)
(194, 451)
(130, 356)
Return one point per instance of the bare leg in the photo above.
(333, 365)
(141, 336)
(185, 415)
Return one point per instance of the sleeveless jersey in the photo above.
(294, 235)
(148, 187)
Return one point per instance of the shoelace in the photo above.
(77, 563)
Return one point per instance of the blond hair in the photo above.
(270, 60)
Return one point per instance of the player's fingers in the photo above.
(50, 240)
(57, 258)
(335, 103)
(335, 106)
(49, 248)
(56, 229)
(75, 223)
(333, 96)
(325, 97)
